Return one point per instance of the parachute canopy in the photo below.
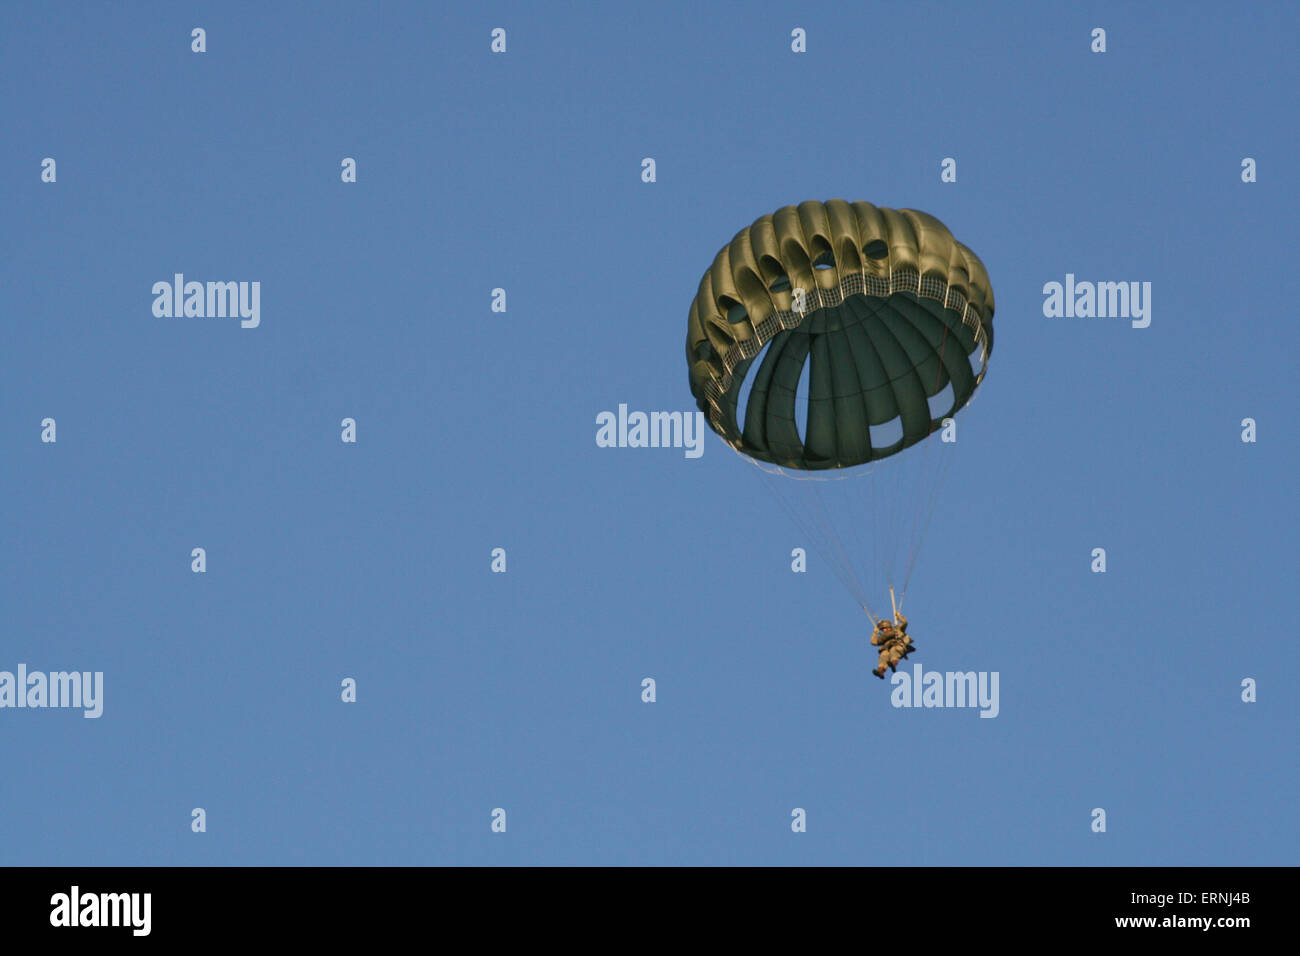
(884, 307)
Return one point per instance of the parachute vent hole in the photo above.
(824, 261)
(886, 433)
(782, 284)
(736, 314)
(801, 403)
(875, 249)
(941, 404)
(705, 351)
(742, 397)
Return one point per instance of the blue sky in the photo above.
(476, 430)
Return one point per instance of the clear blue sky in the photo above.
(477, 430)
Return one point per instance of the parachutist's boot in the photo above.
(879, 672)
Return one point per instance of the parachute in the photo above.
(825, 341)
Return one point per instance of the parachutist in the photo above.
(894, 643)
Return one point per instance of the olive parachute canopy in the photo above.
(885, 307)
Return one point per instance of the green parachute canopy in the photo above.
(884, 307)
